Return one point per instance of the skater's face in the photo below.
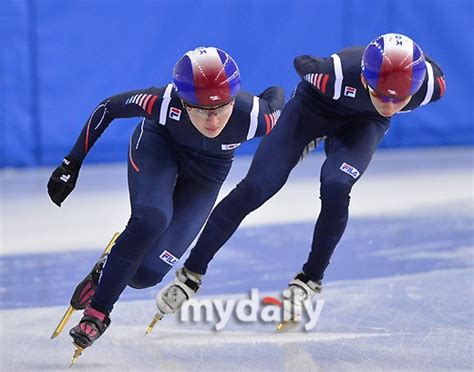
(210, 121)
(386, 106)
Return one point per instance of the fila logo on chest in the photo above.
(350, 91)
(175, 113)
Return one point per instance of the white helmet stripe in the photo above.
(209, 54)
(393, 42)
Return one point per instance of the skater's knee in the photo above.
(145, 278)
(252, 195)
(150, 220)
(335, 190)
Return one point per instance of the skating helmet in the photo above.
(394, 66)
(206, 77)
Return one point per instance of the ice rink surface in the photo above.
(399, 293)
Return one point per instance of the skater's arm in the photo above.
(272, 101)
(436, 81)
(137, 103)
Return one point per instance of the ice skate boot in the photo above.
(85, 289)
(92, 325)
(172, 296)
(300, 289)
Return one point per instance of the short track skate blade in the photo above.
(109, 246)
(155, 320)
(76, 355)
(70, 310)
(286, 326)
(63, 322)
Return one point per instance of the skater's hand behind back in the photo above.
(63, 180)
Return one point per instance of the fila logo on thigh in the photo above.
(350, 170)
(168, 258)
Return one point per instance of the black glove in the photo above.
(272, 92)
(275, 97)
(307, 64)
(63, 180)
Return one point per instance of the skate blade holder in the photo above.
(67, 315)
(152, 324)
(77, 354)
(287, 325)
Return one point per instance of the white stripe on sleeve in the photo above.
(139, 97)
(254, 118)
(339, 76)
(140, 103)
(165, 104)
(430, 87)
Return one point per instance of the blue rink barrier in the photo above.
(60, 59)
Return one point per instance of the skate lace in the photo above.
(297, 293)
(172, 294)
(174, 297)
(86, 293)
(88, 329)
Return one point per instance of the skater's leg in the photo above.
(276, 156)
(348, 156)
(194, 196)
(152, 171)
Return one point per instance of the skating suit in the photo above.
(174, 176)
(329, 103)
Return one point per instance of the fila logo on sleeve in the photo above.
(350, 170)
(175, 113)
(350, 91)
(168, 258)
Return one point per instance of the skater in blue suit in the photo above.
(179, 155)
(348, 101)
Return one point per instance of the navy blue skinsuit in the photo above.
(174, 176)
(330, 102)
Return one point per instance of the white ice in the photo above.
(412, 320)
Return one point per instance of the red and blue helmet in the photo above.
(206, 77)
(394, 66)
